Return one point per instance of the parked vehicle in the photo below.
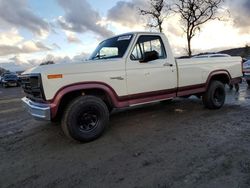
(10, 80)
(125, 70)
(246, 71)
(211, 55)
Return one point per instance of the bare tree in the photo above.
(195, 13)
(246, 52)
(47, 63)
(156, 12)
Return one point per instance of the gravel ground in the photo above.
(180, 144)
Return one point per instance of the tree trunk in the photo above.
(159, 24)
(160, 28)
(189, 46)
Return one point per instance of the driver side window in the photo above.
(148, 44)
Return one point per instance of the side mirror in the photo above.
(149, 56)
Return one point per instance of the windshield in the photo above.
(112, 48)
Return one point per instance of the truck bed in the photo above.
(195, 71)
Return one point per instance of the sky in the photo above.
(32, 31)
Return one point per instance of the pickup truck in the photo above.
(126, 70)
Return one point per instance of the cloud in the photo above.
(10, 37)
(11, 66)
(240, 13)
(56, 46)
(58, 59)
(81, 17)
(17, 13)
(126, 13)
(25, 47)
(64, 59)
(16, 63)
(12, 43)
(51, 57)
(80, 58)
(72, 38)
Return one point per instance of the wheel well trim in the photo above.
(217, 73)
(108, 90)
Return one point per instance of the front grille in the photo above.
(32, 86)
(11, 81)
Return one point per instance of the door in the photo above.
(158, 76)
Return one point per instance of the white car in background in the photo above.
(246, 71)
(211, 55)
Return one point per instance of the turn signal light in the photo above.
(54, 76)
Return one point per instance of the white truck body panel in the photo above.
(196, 71)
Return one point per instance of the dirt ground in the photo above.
(180, 144)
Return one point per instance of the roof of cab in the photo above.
(137, 33)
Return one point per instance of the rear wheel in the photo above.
(231, 86)
(248, 82)
(168, 101)
(85, 118)
(237, 87)
(215, 96)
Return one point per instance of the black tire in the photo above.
(231, 86)
(248, 82)
(85, 118)
(186, 96)
(215, 96)
(168, 101)
(237, 87)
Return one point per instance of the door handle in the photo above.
(168, 65)
(117, 78)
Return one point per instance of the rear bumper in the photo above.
(39, 111)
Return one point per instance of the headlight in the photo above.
(4, 81)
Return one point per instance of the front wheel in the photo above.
(248, 82)
(85, 118)
(215, 96)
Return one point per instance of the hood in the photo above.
(52, 68)
(78, 67)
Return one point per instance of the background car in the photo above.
(10, 80)
(246, 71)
(211, 55)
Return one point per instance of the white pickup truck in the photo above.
(125, 70)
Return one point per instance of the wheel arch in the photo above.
(67, 93)
(219, 75)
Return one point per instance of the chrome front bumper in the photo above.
(39, 111)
